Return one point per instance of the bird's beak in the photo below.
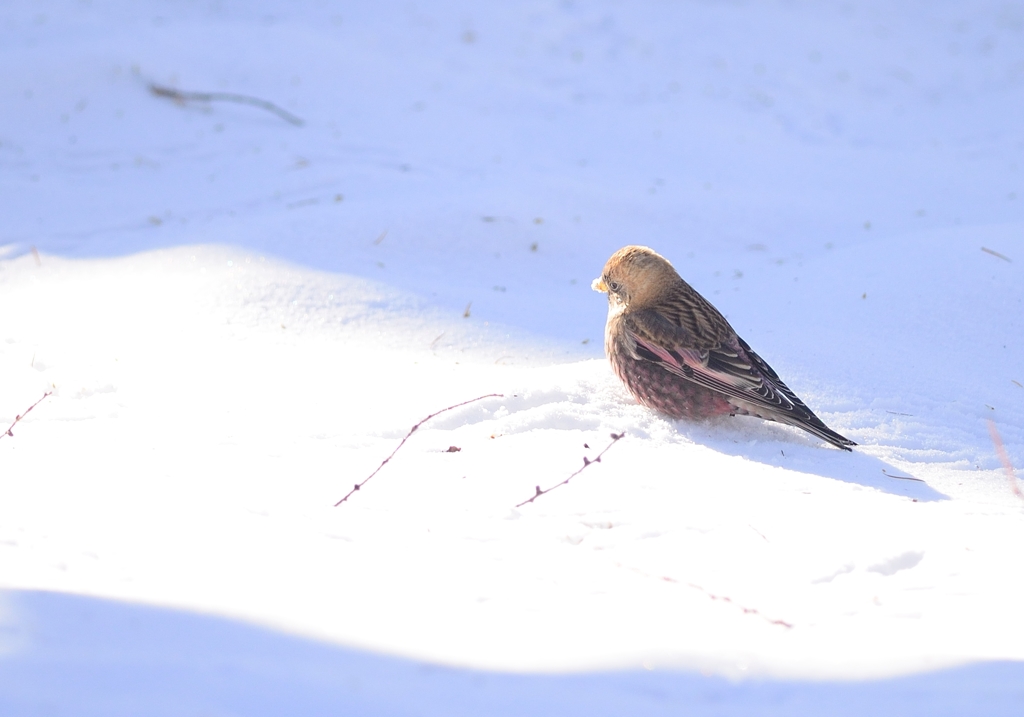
(599, 285)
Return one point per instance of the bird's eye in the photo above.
(614, 286)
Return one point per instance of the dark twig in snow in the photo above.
(586, 462)
(996, 254)
(182, 97)
(901, 477)
(1001, 452)
(713, 596)
(22, 415)
(412, 430)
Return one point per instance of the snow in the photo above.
(239, 319)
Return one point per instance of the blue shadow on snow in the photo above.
(65, 654)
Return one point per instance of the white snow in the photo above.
(239, 319)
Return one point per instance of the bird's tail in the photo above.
(796, 413)
(814, 425)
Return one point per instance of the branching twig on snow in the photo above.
(412, 430)
(182, 96)
(1005, 458)
(586, 462)
(22, 415)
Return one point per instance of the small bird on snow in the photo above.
(677, 354)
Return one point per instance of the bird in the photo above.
(678, 355)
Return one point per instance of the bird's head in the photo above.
(636, 277)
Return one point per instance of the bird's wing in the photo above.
(729, 367)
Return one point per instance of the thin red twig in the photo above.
(412, 430)
(586, 462)
(727, 599)
(713, 596)
(22, 415)
(1005, 458)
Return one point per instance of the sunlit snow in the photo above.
(239, 319)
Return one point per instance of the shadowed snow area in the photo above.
(240, 319)
(87, 657)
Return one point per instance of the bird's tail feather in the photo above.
(822, 431)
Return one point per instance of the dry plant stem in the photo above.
(586, 462)
(997, 440)
(182, 96)
(746, 610)
(412, 430)
(713, 596)
(996, 254)
(22, 415)
(891, 475)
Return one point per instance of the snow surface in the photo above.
(240, 318)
